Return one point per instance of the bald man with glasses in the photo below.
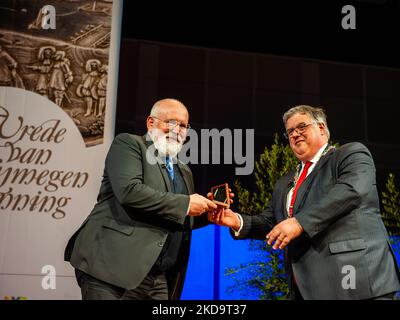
(135, 243)
(326, 217)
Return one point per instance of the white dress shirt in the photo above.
(290, 193)
(310, 169)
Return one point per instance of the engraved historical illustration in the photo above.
(59, 49)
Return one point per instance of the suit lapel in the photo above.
(164, 173)
(187, 177)
(307, 183)
(290, 185)
(153, 158)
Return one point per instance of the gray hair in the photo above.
(317, 114)
(155, 110)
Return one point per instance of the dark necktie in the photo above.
(299, 182)
(170, 167)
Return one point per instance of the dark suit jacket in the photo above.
(338, 207)
(124, 234)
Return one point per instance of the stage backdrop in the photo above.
(58, 71)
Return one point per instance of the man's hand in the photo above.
(224, 217)
(284, 232)
(199, 204)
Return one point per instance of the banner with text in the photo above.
(58, 76)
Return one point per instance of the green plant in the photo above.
(391, 206)
(265, 275)
(390, 210)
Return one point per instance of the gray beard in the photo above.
(164, 147)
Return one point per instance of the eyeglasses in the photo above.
(173, 123)
(299, 129)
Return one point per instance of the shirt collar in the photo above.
(318, 155)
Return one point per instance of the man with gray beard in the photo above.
(135, 243)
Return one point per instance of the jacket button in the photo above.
(161, 244)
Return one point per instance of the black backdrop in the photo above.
(242, 65)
